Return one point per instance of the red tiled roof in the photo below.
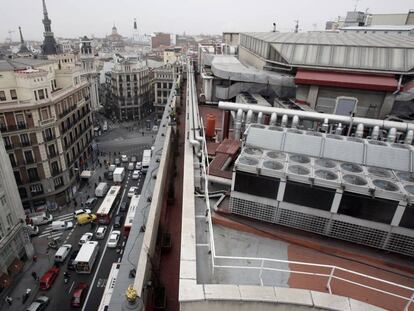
(347, 80)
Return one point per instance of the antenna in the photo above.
(296, 26)
(274, 27)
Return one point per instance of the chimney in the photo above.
(274, 27)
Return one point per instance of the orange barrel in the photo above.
(211, 126)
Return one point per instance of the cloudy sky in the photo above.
(73, 18)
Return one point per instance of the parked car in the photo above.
(72, 257)
(85, 238)
(114, 239)
(91, 202)
(79, 294)
(81, 211)
(118, 221)
(48, 278)
(124, 158)
(134, 159)
(132, 191)
(123, 207)
(100, 232)
(138, 166)
(39, 304)
(135, 174)
(32, 230)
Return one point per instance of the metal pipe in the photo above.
(392, 134)
(339, 129)
(249, 117)
(284, 120)
(375, 132)
(325, 125)
(360, 130)
(260, 118)
(295, 121)
(237, 124)
(316, 116)
(409, 137)
(273, 118)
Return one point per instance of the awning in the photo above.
(347, 80)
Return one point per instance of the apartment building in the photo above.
(163, 81)
(46, 124)
(130, 90)
(15, 245)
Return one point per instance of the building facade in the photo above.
(90, 73)
(15, 245)
(130, 90)
(160, 39)
(46, 123)
(163, 81)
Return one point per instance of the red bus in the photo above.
(104, 212)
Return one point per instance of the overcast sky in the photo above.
(73, 18)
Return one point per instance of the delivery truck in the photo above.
(119, 174)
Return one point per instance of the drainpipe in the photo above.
(249, 117)
(273, 119)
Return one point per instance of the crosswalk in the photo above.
(48, 232)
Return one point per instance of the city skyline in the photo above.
(215, 17)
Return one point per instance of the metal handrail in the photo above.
(330, 276)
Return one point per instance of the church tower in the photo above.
(87, 58)
(49, 46)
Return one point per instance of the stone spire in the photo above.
(23, 48)
(49, 46)
(135, 24)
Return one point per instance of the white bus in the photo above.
(109, 288)
(146, 159)
(104, 212)
(86, 257)
(133, 205)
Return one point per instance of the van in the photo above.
(91, 202)
(61, 225)
(85, 218)
(62, 253)
(41, 218)
(101, 189)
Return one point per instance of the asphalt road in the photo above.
(117, 140)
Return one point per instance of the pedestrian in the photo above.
(34, 275)
(9, 300)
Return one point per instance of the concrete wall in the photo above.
(247, 57)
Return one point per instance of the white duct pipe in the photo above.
(392, 134)
(339, 129)
(273, 119)
(249, 117)
(295, 121)
(360, 130)
(284, 120)
(325, 125)
(409, 137)
(316, 116)
(375, 132)
(237, 124)
(260, 118)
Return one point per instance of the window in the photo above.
(28, 155)
(24, 139)
(20, 121)
(9, 220)
(23, 193)
(52, 150)
(41, 94)
(44, 114)
(47, 95)
(7, 142)
(32, 173)
(3, 200)
(58, 182)
(12, 159)
(13, 94)
(35, 94)
(17, 177)
(2, 96)
(55, 168)
(2, 123)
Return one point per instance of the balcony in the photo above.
(47, 122)
(34, 178)
(49, 137)
(26, 143)
(21, 125)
